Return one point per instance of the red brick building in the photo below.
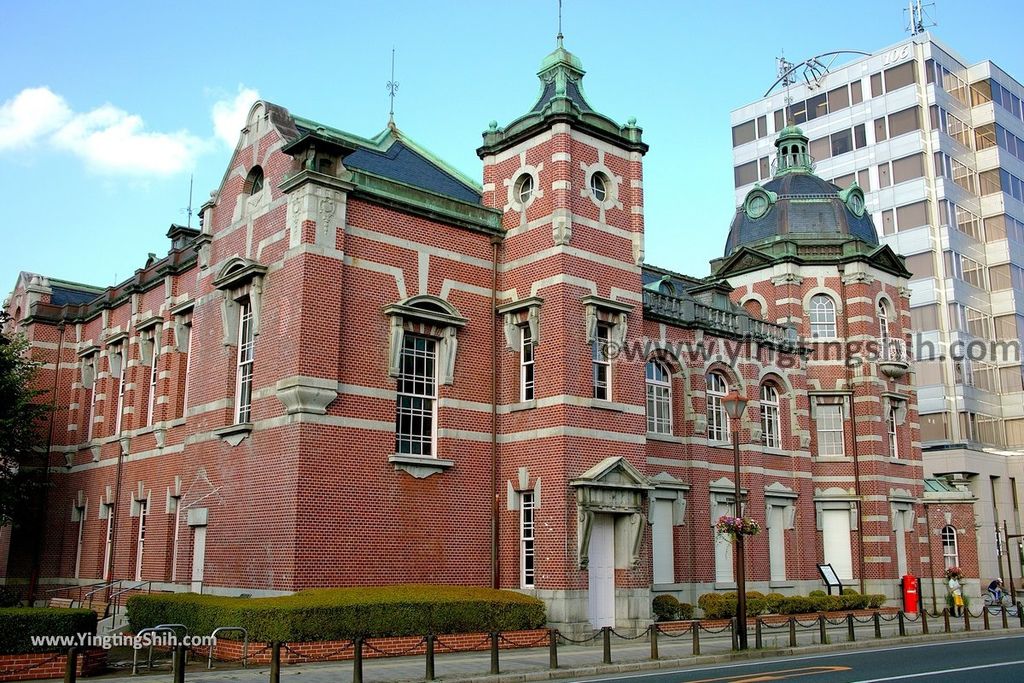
(367, 369)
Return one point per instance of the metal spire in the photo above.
(392, 89)
(559, 36)
(188, 209)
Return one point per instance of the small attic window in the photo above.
(325, 166)
(666, 287)
(599, 186)
(524, 188)
(254, 181)
(430, 306)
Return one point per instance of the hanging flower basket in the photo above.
(954, 573)
(737, 526)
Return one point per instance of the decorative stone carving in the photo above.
(561, 231)
(308, 395)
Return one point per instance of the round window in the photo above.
(599, 186)
(757, 205)
(524, 188)
(856, 203)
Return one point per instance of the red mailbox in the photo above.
(909, 594)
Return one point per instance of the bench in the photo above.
(65, 603)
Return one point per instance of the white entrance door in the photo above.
(601, 571)
(835, 530)
(198, 557)
(901, 545)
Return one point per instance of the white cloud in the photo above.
(112, 141)
(229, 115)
(31, 114)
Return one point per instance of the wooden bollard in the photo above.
(654, 641)
(357, 660)
(275, 662)
(71, 666)
(850, 635)
(606, 633)
(553, 648)
(430, 657)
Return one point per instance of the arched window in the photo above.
(253, 181)
(822, 316)
(524, 188)
(771, 425)
(753, 307)
(883, 320)
(666, 287)
(950, 555)
(599, 186)
(718, 420)
(659, 398)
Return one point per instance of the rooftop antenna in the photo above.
(559, 36)
(784, 70)
(918, 20)
(392, 90)
(188, 209)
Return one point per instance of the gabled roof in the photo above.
(392, 154)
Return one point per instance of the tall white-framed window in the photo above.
(950, 554)
(771, 423)
(120, 389)
(79, 514)
(527, 368)
(108, 508)
(890, 423)
(526, 527)
(154, 375)
(602, 365)
(140, 540)
(883, 320)
(416, 402)
(829, 422)
(188, 370)
(718, 419)
(243, 374)
(659, 398)
(90, 420)
(822, 315)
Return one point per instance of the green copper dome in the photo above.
(561, 56)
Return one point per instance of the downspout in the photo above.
(37, 551)
(853, 423)
(931, 555)
(121, 450)
(495, 241)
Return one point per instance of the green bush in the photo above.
(817, 593)
(773, 601)
(9, 597)
(717, 605)
(685, 611)
(797, 604)
(850, 591)
(666, 608)
(344, 613)
(876, 600)
(19, 624)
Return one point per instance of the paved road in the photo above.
(995, 659)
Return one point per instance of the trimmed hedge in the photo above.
(19, 624)
(344, 613)
(668, 608)
(723, 605)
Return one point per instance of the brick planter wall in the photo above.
(33, 666)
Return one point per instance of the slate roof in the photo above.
(66, 295)
(806, 205)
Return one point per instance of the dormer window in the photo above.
(254, 181)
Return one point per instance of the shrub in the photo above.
(817, 593)
(685, 611)
(19, 624)
(666, 608)
(876, 600)
(797, 604)
(717, 605)
(850, 591)
(9, 597)
(756, 603)
(773, 601)
(828, 603)
(344, 613)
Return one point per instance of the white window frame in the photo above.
(153, 377)
(527, 365)
(92, 400)
(413, 389)
(244, 363)
(825, 422)
(81, 511)
(717, 418)
(599, 186)
(949, 540)
(123, 351)
(659, 397)
(771, 422)
(883, 321)
(108, 547)
(188, 368)
(524, 188)
(141, 538)
(527, 549)
(601, 362)
(893, 435)
(822, 316)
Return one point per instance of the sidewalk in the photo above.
(573, 660)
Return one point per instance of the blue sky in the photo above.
(107, 108)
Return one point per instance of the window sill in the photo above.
(899, 461)
(726, 586)
(234, 434)
(833, 458)
(523, 405)
(419, 467)
(669, 438)
(774, 451)
(602, 404)
(781, 584)
(720, 444)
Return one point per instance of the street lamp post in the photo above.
(735, 405)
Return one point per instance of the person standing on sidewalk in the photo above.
(956, 594)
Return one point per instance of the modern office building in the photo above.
(937, 145)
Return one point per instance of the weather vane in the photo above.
(392, 88)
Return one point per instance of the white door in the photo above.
(198, 557)
(140, 542)
(601, 572)
(835, 530)
(723, 548)
(901, 545)
(777, 542)
(664, 553)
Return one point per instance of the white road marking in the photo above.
(941, 672)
